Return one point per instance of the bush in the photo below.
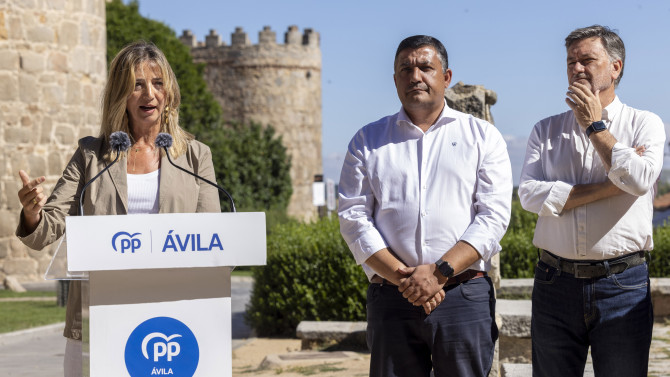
(310, 275)
(659, 262)
(518, 254)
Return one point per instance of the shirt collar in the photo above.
(612, 109)
(446, 116)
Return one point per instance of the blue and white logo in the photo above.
(162, 346)
(126, 241)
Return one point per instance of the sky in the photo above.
(515, 48)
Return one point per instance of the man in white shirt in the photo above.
(424, 200)
(589, 174)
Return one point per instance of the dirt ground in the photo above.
(248, 358)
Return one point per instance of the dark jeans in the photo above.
(456, 339)
(611, 314)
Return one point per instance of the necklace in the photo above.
(136, 149)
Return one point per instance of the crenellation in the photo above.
(310, 38)
(239, 38)
(267, 36)
(293, 36)
(188, 38)
(213, 39)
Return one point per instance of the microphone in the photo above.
(164, 140)
(118, 141)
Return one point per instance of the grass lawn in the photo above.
(19, 315)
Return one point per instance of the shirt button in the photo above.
(423, 213)
(425, 187)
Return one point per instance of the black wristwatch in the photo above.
(596, 127)
(445, 268)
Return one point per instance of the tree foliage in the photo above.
(253, 166)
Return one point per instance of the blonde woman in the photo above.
(142, 99)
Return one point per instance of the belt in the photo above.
(588, 269)
(454, 280)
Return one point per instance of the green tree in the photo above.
(199, 111)
(253, 166)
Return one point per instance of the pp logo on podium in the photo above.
(162, 346)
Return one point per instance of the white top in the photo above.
(559, 155)
(143, 192)
(420, 193)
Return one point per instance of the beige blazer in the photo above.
(108, 195)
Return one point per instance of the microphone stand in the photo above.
(230, 198)
(81, 196)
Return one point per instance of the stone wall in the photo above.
(271, 84)
(52, 71)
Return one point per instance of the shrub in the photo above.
(310, 275)
(659, 263)
(518, 254)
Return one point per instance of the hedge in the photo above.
(310, 275)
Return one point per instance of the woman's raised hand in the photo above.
(32, 198)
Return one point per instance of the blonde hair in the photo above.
(120, 84)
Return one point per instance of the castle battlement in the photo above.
(266, 37)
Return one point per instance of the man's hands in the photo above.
(422, 287)
(584, 104)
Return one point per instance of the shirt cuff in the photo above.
(620, 163)
(558, 195)
(367, 244)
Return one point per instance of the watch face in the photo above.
(445, 269)
(599, 126)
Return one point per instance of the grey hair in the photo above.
(608, 37)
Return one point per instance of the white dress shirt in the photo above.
(420, 193)
(559, 156)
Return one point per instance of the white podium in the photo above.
(157, 301)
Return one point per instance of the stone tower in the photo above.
(271, 84)
(52, 71)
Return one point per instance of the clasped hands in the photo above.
(421, 286)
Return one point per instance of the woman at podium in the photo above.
(141, 98)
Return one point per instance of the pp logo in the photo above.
(162, 346)
(126, 241)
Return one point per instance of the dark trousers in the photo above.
(456, 339)
(611, 314)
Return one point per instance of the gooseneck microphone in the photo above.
(164, 140)
(118, 141)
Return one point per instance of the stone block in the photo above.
(515, 288)
(68, 34)
(9, 60)
(322, 333)
(32, 62)
(4, 247)
(516, 317)
(38, 165)
(20, 266)
(84, 35)
(53, 95)
(3, 28)
(65, 135)
(29, 88)
(15, 28)
(17, 135)
(13, 284)
(58, 62)
(45, 132)
(660, 296)
(3, 167)
(8, 87)
(79, 60)
(56, 4)
(40, 34)
(73, 96)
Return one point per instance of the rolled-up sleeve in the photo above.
(536, 194)
(637, 174)
(493, 196)
(357, 203)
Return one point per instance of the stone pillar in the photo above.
(477, 100)
(52, 71)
